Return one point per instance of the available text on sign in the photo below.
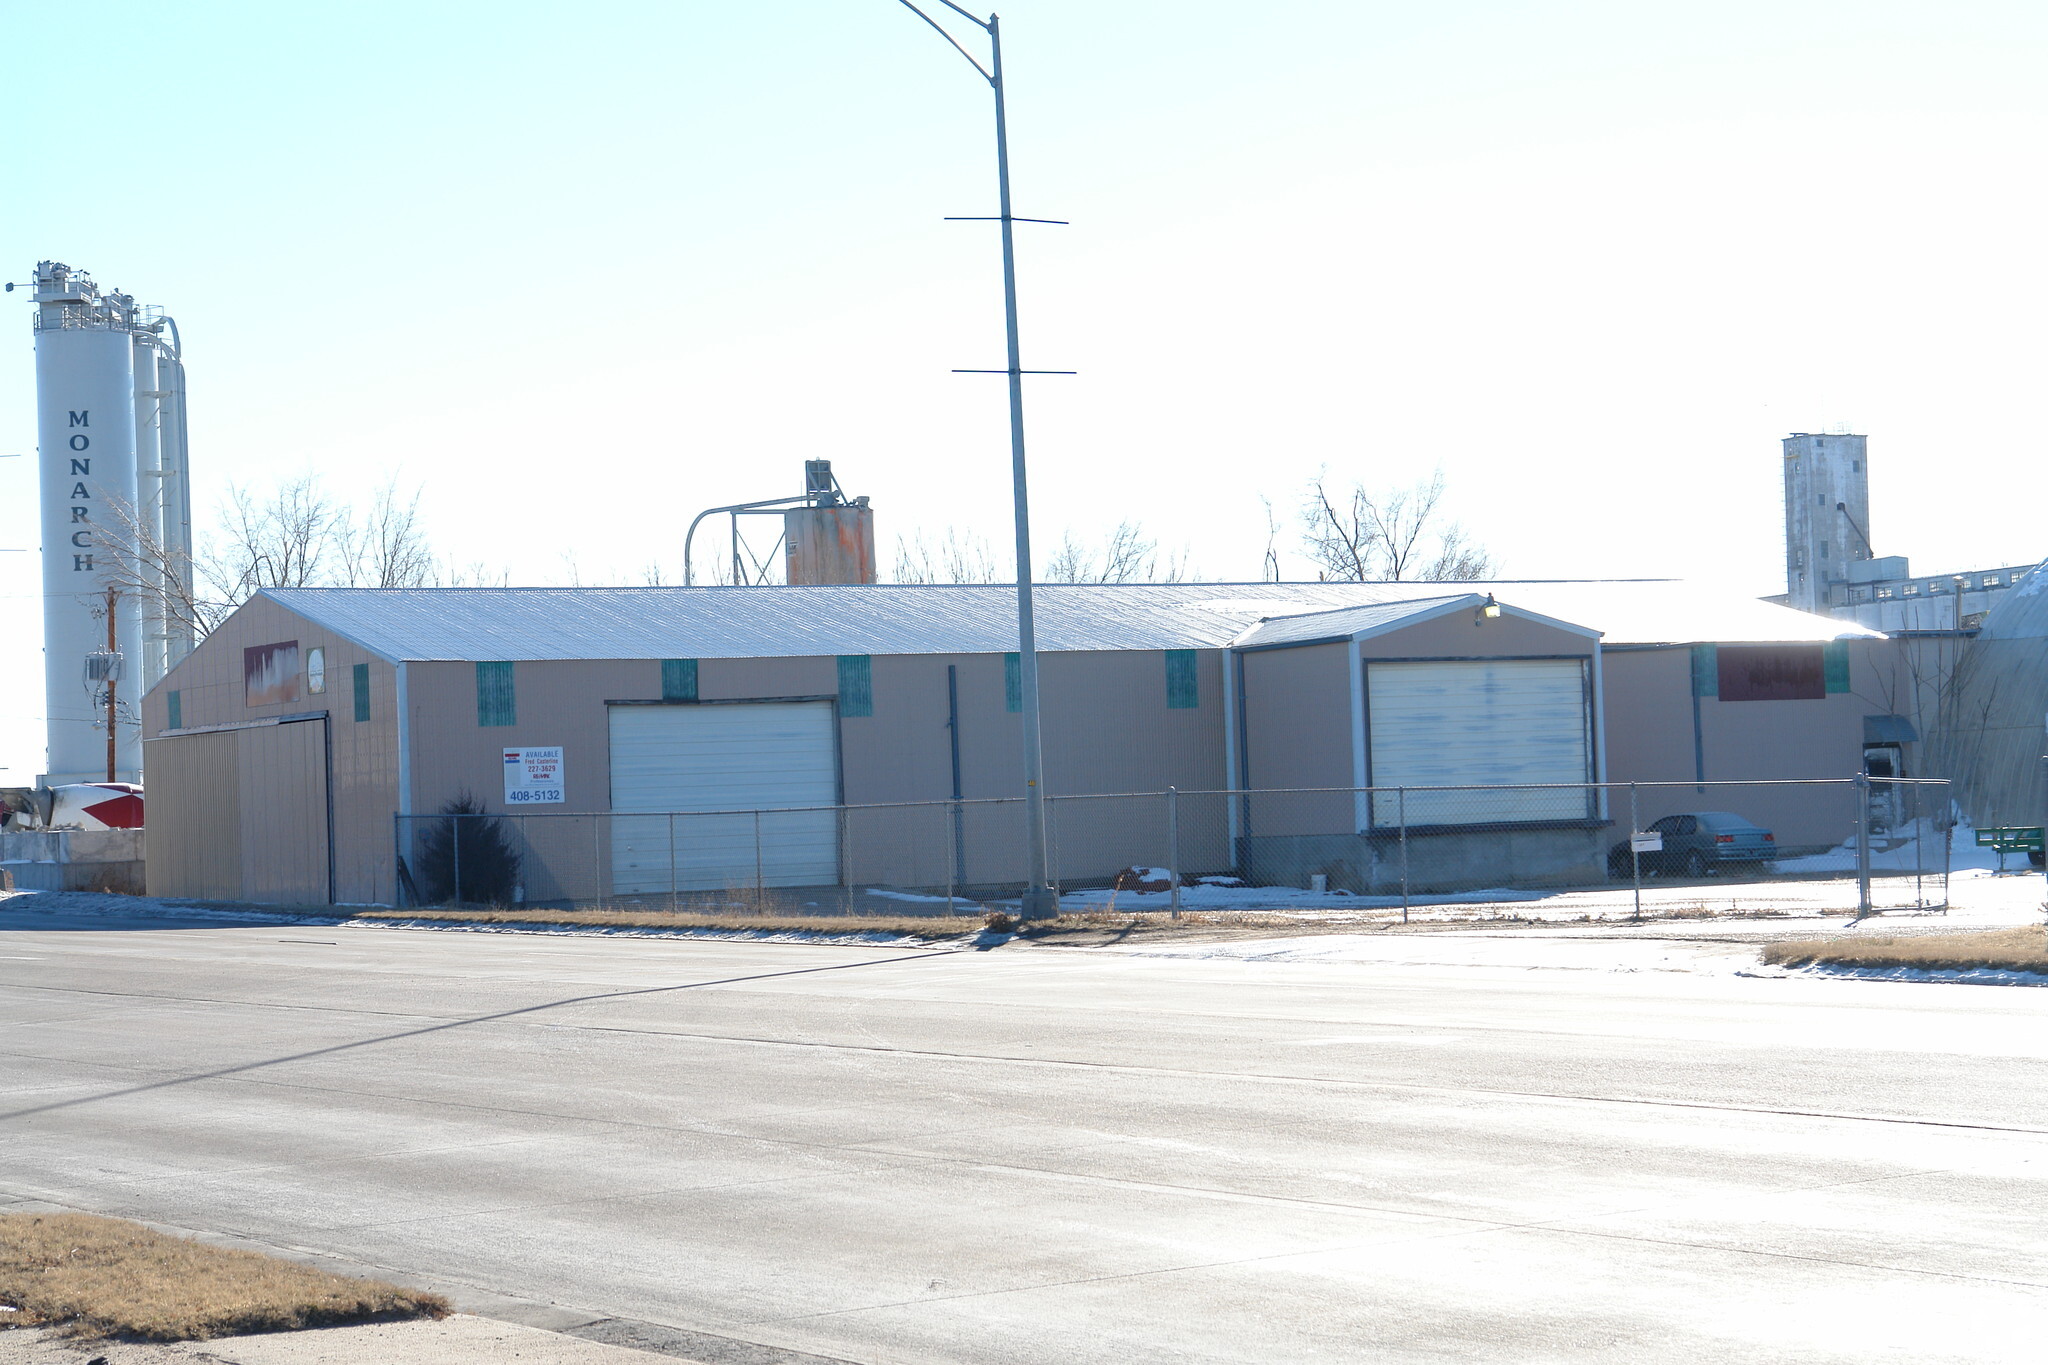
(533, 776)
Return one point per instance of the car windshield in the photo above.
(1721, 819)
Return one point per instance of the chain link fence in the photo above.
(1552, 851)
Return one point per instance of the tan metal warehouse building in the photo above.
(280, 751)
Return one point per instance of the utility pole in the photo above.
(1039, 901)
(113, 676)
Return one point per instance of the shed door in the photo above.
(1480, 722)
(739, 778)
(240, 814)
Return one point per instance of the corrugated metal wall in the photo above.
(243, 815)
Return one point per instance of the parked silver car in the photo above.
(1697, 844)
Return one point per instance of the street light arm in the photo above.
(941, 31)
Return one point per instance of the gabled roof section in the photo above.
(1349, 623)
(747, 623)
(1363, 623)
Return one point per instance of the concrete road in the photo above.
(1467, 1151)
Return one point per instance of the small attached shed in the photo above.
(1456, 697)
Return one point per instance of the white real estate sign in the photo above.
(533, 777)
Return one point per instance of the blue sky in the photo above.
(578, 272)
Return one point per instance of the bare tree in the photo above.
(388, 547)
(1126, 555)
(294, 538)
(1361, 536)
(961, 557)
(136, 563)
(1269, 567)
(475, 574)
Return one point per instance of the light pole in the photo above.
(1039, 900)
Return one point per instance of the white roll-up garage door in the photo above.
(766, 760)
(1485, 722)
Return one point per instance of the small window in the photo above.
(1855, 466)
(495, 702)
(359, 680)
(856, 685)
(1884, 594)
(679, 680)
(1910, 590)
(1013, 683)
(1989, 580)
(1937, 586)
(1834, 666)
(1820, 499)
(176, 704)
(1823, 549)
(1181, 685)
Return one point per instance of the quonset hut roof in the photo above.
(1987, 735)
(747, 623)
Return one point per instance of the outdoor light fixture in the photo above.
(1488, 611)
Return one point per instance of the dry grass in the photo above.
(910, 926)
(103, 1277)
(2021, 950)
(743, 919)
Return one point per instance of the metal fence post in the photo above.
(597, 858)
(671, 862)
(455, 853)
(397, 859)
(1635, 855)
(952, 853)
(758, 879)
(1862, 790)
(1948, 839)
(1173, 846)
(842, 820)
(1401, 816)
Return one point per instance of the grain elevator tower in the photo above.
(1827, 517)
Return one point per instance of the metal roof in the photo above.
(1343, 623)
(748, 623)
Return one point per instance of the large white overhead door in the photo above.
(760, 759)
(1483, 722)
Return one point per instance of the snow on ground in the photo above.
(1976, 897)
(1917, 845)
(1970, 976)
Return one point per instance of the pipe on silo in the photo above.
(148, 514)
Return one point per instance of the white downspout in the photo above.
(1232, 741)
(1361, 803)
(1599, 727)
(404, 745)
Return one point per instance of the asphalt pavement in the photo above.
(1497, 1146)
